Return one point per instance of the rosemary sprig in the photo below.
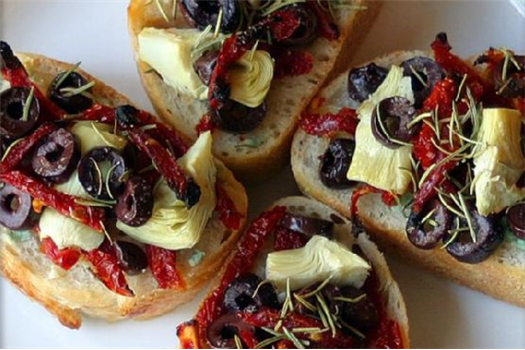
(69, 92)
(385, 131)
(102, 137)
(161, 10)
(298, 344)
(460, 88)
(304, 302)
(99, 174)
(95, 203)
(419, 77)
(238, 342)
(68, 73)
(351, 300)
(27, 104)
(218, 25)
(108, 177)
(11, 146)
(267, 342)
(468, 217)
(323, 308)
(318, 289)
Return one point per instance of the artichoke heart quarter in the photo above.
(499, 161)
(173, 225)
(320, 259)
(251, 78)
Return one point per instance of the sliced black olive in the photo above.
(236, 117)
(424, 73)
(221, 333)
(308, 226)
(203, 13)
(131, 257)
(13, 123)
(127, 116)
(58, 157)
(514, 83)
(75, 103)
(239, 296)
(516, 220)
(426, 228)
(336, 162)
(359, 310)
(16, 209)
(307, 29)
(135, 205)
(205, 65)
(364, 81)
(101, 171)
(390, 121)
(488, 238)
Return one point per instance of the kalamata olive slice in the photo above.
(58, 157)
(205, 65)
(516, 220)
(364, 81)
(336, 162)
(488, 238)
(308, 226)
(307, 29)
(131, 257)
(362, 312)
(205, 12)
(424, 73)
(13, 123)
(221, 333)
(236, 117)
(390, 121)
(71, 103)
(425, 229)
(135, 205)
(101, 171)
(514, 83)
(16, 209)
(127, 116)
(239, 296)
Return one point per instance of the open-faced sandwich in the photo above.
(427, 150)
(244, 69)
(103, 210)
(301, 277)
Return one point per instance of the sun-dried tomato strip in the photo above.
(65, 258)
(228, 213)
(329, 124)
(163, 265)
(326, 27)
(164, 162)
(245, 255)
(63, 203)
(13, 71)
(363, 190)
(22, 148)
(105, 265)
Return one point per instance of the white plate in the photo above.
(442, 314)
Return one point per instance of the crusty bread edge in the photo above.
(492, 277)
(260, 167)
(112, 307)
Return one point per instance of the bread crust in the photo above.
(69, 295)
(253, 165)
(499, 276)
(390, 293)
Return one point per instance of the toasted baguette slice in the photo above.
(69, 294)
(392, 299)
(502, 276)
(286, 99)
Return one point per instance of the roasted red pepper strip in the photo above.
(106, 267)
(22, 148)
(13, 71)
(164, 162)
(63, 203)
(228, 213)
(326, 27)
(163, 265)
(329, 124)
(364, 189)
(245, 255)
(205, 124)
(269, 318)
(65, 258)
(292, 63)
(287, 239)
